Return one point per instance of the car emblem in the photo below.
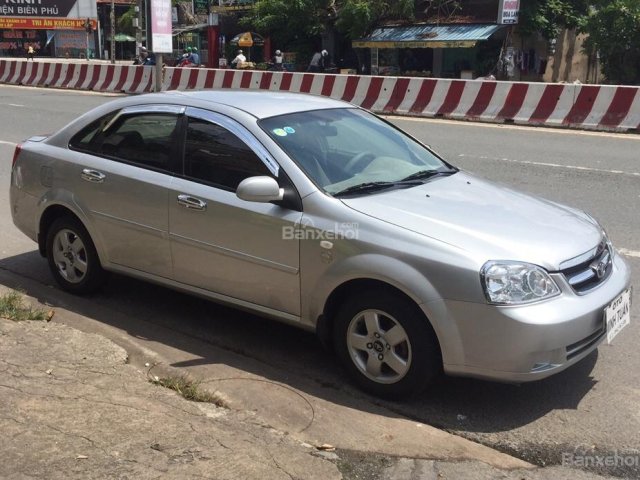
(599, 268)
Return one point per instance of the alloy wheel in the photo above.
(379, 346)
(70, 256)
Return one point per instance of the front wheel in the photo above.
(72, 257)
(386, 344)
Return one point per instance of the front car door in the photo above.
(219, 242)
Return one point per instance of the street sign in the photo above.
(161, 39)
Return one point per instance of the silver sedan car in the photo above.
(320, 214)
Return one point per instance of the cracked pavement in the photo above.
(74, 408)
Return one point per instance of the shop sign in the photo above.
(47, 8)
(33, 23)
(232, 5)
(508, 12)
(452, 44)
(200, 7)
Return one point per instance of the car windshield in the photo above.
(350, 151)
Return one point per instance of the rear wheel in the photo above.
(72, 257)
(386, 344)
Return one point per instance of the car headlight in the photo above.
(515, 283)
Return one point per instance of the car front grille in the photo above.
(587, 271)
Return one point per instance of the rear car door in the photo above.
(219, 242)
(123, 177)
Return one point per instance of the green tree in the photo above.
(614, 32)
(358, 17)
(125, 21)
(288, 21)
(548, 17)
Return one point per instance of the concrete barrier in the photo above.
(597, 107)
(78, 76)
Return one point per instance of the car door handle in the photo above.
(192, 203)
(93, 175)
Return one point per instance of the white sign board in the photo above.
(508, 12)
(161, 39)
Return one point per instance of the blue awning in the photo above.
(428, 36)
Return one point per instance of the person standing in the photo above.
(30, 53)
(239, 60)
(324, 60)
(277, 61)
(314, 64)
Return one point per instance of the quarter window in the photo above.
(85, 139)
(216, 156)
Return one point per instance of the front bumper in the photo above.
(529, 342)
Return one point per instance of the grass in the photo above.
(13, 307)
(189, 389)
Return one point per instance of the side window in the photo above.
(215, 155)
(145, 139)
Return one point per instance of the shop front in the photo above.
(443, 51)
(51, 27)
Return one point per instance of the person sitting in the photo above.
(145, 57)
(195, 58)
(186, 60)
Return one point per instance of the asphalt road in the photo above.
(593, 406)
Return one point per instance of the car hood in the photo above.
(490, 221)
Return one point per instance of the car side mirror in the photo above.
(261, 189)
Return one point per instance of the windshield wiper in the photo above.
(374, 186)
(424, 174)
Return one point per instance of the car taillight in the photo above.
(15, 154)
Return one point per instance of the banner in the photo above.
(44, 23)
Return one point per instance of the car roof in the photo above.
(263, 103)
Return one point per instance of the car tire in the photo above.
(72, 257)
(386, 344)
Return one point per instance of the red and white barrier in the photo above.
(80, 76)
(599, 107)
(551, 104)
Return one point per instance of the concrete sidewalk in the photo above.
(75, 407)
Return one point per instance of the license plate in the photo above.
(618, 314)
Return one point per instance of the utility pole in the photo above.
(87, 30)
(138, 27)
(113, 31)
